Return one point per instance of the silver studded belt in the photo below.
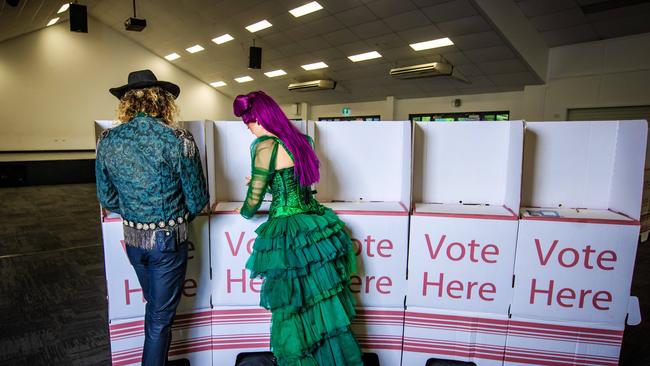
(152, 225)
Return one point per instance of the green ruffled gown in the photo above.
(306, 258)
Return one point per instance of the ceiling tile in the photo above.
(386, 41)
(468, 70)
(562, 19)
(420, 34)
(503, 67)
(490, 54)
(477, 40)
(473, 24)
(355, 16)
(450, 11)
(409, 20)
(339, 37)
(532, 8)
(387, 8)
(623, 27)
(564, 36)
(354, 48)
(371, 29)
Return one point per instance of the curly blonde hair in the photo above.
(154, 101)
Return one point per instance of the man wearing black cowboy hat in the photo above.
(149, 172)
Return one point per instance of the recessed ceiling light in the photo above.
(314, 66)
(222, 39)
(435, 43)
(53, 21)
(63, 8)
(364, 56)
(194, 49)
(172, 56)
(275, 73)
(263, 24)
(243, 79)
(217, 84)
(305, 9)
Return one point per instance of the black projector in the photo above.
(135, 24)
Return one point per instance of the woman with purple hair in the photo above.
(303, 252)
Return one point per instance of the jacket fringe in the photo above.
(145, 239)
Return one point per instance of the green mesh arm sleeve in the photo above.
(263, 152)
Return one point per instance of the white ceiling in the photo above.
(562, 22)
(342, 28)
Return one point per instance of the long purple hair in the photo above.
(257, 106)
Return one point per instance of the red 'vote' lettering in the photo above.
(235, 249)
(456, 251)
(570, 257)
(383, 247)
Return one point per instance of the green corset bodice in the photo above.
(289, 197)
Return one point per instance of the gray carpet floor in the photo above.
(53, 307)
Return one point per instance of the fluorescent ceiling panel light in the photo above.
(53, 21)
(243, 79)
(314, 66)
(258, 26)
(222, 39)
(305, 9)
(194, 49)
(217, 84)
(435, 43)
(364, 56)
(63, 8)
(275, 73)
(173, 56)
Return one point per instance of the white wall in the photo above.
(54, 84)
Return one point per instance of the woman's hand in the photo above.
(248, 181)
(238, 210)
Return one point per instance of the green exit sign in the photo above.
(346, 111)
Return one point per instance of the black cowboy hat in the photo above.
(144, 79)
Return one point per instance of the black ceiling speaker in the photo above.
(78, 18)
(13, 3)
(255, 58)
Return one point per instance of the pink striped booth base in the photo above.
(191, 339)
(540, 342)
(442, 334)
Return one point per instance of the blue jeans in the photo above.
(161, 272)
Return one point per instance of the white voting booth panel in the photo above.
(537, 342)
(231, 240)
(231, 235)
(366, 180)
(125, 298)
(239, 329)
(463, 230)
(191, 339)
(449, 335)
(379, 331)
(579, 221)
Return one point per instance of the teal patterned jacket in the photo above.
(151, 173)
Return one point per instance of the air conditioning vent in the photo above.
(422, 70)
(313, 85)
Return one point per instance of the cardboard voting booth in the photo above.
(577, 238)
(366, 179)
(238, 321)
(463, 233)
